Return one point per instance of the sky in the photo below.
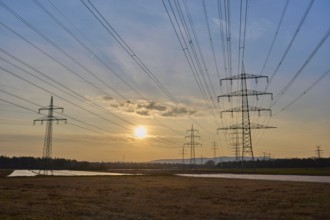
(115, 65)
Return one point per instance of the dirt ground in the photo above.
(160, 197)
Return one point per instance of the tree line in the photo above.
(278, 163)
(34, 163)
(67, 164)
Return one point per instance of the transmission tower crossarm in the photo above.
(243, 76)
(51, 107)
(241, 93)
(50, 119)
(252, 126)
(250, 108)
(259, 126)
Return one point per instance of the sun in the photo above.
(140, 132)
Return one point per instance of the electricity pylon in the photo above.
(182, 152)
(214, 148)
(47, 150)
(236, 148)
(266, 156)
(236, 145)
(192, 144)
(245, 109)
(318, 151)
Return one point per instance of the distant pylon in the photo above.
(237, 150)
(318, 151)
(214, 148)
(236, 145)
(244, 108)
(182, 152)
(264, 157)
(192, 144)
(47, 149)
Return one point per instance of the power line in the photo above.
(309, 58)
(192, 62)
(222, 35)
(244, 34)
(67, 30)
(304, 92)
(228, 34)
(29, 73)
(79, 96)
(78, 106)
(53, 44)
(272, 46)
(104, 22)
(70, 117)
(17, 76)
(34, 111)
(95, 55)
(207, 83)
(211, 41)
(58, 62)
(303, 18)
(275, 36)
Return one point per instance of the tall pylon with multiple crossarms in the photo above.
(192, 144)
(245, 126)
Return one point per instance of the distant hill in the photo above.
(198, 160)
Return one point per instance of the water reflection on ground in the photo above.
(298, 178)
(17, 173)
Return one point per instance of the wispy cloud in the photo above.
(257, 29)
(148, 108)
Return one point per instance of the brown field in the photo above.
(160, 197)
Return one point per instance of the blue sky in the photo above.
(106, 102)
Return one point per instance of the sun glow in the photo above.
(140, 132)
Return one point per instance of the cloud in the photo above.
(143, 113)
(148, 108)
(179, 112)
(152, 106)
(107, 98)
(217, 22)
(257, 29)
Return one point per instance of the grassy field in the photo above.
(274, 171)
(160, 197)
(282, 171)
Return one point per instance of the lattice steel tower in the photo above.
(318, 151)
(245, 126)
(182, 152)
(214, 148)
(192, 144)
(235, 144)
(47, 150)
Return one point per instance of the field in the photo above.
(160, 197)
(281, 171)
